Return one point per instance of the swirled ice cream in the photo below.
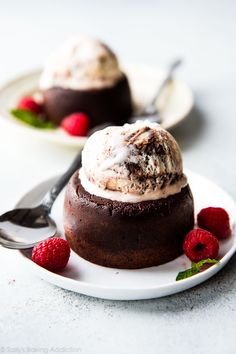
(81, 63)
(132, 163)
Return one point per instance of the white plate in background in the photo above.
(144, 81)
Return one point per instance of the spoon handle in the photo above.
(52, 194)
(151, 108)
(169, 75)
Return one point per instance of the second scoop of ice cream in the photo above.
(81, 63)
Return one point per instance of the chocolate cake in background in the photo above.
(84, 76)
(130, 205)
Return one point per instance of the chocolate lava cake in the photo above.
(130, 205)
(84, 76)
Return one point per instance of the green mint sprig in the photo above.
(196, 267)
(31, 119)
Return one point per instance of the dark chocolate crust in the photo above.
(110, 104)
(126, 235)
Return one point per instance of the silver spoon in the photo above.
(150, 112)
(24, 228)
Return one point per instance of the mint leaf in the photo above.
(196, 267)
(31, 119)
(205, 261)
(186, 273)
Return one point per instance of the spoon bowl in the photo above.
(24, 228)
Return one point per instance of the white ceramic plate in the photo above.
(116, 284)
(175, 103)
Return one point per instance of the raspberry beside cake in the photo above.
(84, 76)
(130, 205)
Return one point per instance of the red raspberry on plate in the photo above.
(28, 103)
(76, 124)
(200, 244)
(215, 220)
(52, 254)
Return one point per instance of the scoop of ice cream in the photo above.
(137, 159)
(81, 63)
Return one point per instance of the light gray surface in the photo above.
(36, 316)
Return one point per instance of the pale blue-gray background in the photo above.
(37, 315)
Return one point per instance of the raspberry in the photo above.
(28, 103)
(215, 220)
(76, 124)
(200, 244)
(52, 254)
